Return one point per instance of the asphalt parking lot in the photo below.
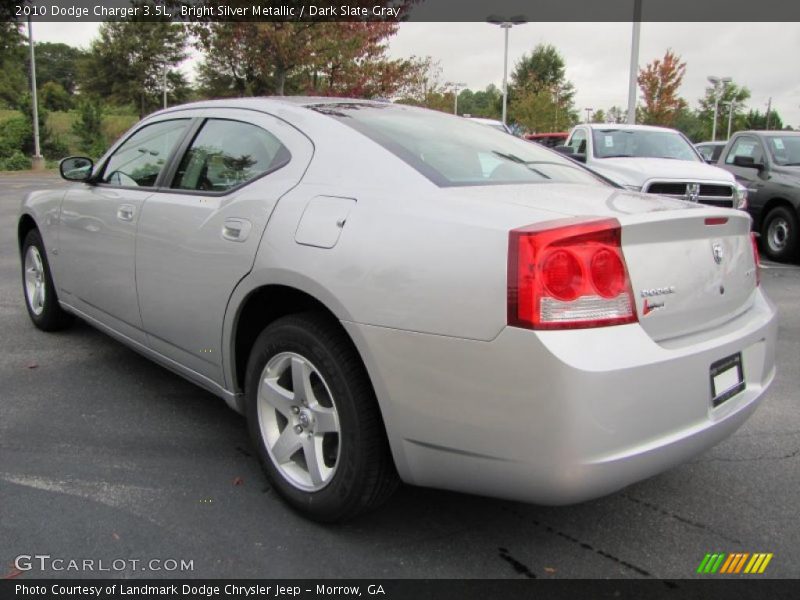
(104, 455)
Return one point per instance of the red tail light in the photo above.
(568, 274)
(756, 258)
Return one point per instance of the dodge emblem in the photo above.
(718, 252)
(692, 192)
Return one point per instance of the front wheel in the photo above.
(314, 419)
(779, 234)
(37, 283)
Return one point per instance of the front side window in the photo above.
(226, 154)
(643, 143)
(451, 151)
(748, 147)
(140, 159)
(578, 142)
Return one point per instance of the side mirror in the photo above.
(76, 168)
(567, 150)
(747, 162)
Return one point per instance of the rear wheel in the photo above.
(37, 284)
(779, 234)
(315, 421)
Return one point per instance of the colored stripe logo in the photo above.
(735, 563)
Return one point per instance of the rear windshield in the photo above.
(453, 151)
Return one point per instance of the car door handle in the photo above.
(125, 212)
(236, 230)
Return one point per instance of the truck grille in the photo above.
(715, 194)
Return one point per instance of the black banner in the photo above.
(399, 589)
(403, 10)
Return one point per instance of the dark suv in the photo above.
(767, 163)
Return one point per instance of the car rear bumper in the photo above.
(558, 417)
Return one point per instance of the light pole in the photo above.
(505, 24)
(637, 28)
(38, 160)
(716, 81)
(589, 114)
(456, 87)
(731, 105)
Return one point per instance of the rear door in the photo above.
(198, 235)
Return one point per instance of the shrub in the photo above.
(16, 161)
(88, 127)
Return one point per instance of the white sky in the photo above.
(761, 56)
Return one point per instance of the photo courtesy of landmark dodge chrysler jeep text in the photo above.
(395, 294)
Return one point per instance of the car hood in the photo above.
(635, 170)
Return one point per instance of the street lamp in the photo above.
(505, 24)
(456, 87)
(38, 160)
(589, 112)
(716, 81)
(731, 106)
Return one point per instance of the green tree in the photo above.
(126, 63)
(13, 67)
(58, 63)
(731, 92)
(88, 128)
(486, 103)
(617, 115)
(599, 116)
(757, 120)
(659, 82)
(54, 97)
(540, 97)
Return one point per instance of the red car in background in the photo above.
(551, 140)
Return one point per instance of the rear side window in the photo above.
(226, 154)
(454, 151)
(140, 159)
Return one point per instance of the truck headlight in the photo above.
(740, 197)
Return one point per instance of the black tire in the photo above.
(779, 234)
(49, 316)
(364, 475)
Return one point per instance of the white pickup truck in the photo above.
(655, 160)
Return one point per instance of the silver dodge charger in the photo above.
(394, 294)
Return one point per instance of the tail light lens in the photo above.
(568, 274)
(756, 258)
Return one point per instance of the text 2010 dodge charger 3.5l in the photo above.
(390, 293)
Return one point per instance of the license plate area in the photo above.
(727, 379)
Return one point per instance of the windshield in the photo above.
(785, 150)
(611, 143)
(452, 151)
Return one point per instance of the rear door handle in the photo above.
(236, 230)
(125, 212)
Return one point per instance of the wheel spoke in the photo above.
(277, 397)
(301, 381)
(287, 444)
(325, 420)
(312, 449)
(37, 297)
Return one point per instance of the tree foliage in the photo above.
(58, 63)
(730, 92)
(14, 81)
(540, 97)
(315, 58)
(125, 64)
(659, 82)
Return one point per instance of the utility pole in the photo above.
(37, 164)
(769, 111)
(637, 28)
(731, 106)
(164, 84)
(456, 87)
(589, 114)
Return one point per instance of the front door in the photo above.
(97, 235)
